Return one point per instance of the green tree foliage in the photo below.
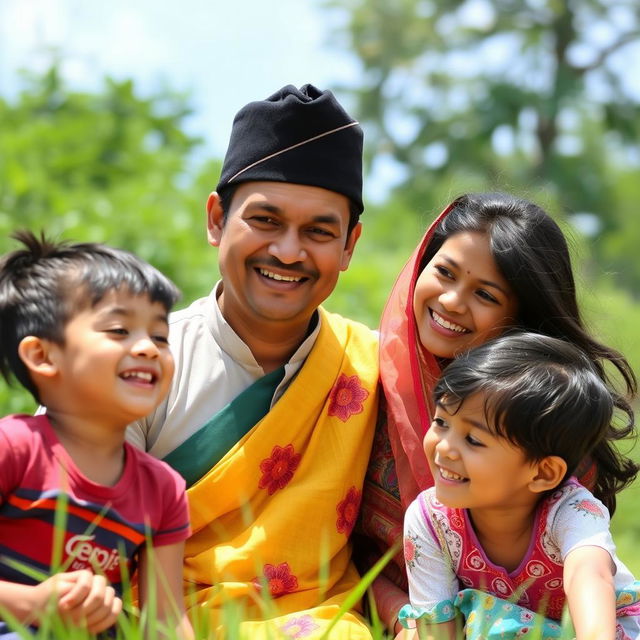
(511, 94)
(108, 166)
(115, 167)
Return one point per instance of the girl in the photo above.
(506, 522)
(490, 261)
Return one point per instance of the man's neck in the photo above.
(271, 344)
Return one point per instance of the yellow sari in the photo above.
(271, 520)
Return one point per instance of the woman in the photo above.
(490, 261)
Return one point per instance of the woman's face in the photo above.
(461, 299)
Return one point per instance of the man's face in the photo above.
(281, 250)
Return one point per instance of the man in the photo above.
(271, 413)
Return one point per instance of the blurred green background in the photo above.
(536, 97)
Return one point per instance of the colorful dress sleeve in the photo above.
(579, 519)
(433, 584)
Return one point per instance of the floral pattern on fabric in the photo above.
(528, 601)
(587, 507)
(278, 578)
(451, 538)
(278, 469)
(299, 627)
(488, 617)
(381, 472)
(541, 575)
(411, 549)
(442, 612)
(347, 397)
(348, 511)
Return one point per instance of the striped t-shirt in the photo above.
(102, 528)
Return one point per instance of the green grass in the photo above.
(625, 528)
(625, 524)
(134, 627)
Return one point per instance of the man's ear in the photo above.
(36, 354)
(352, 239)
(215, 219)
(550, 472)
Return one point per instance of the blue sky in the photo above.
(224, 52)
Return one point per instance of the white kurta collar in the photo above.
(230, 342)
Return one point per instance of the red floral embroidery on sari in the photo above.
(346, 397)
(278, 470)
(348, 511)
(279, 579)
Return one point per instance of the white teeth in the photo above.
(277, 276)
(448, 325)
(141, 375)
(450, 475)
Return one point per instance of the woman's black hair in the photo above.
(546, 396)
(531, 253)
(43, 284)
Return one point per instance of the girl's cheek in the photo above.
(429, 443)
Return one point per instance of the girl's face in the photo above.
(461, 299)
(472, 467)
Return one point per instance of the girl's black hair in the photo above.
(531, 253)
(546, 396)
(45, 283)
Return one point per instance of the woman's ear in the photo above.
(36, 354)
(550, 472)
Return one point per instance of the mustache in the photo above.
(294, 268)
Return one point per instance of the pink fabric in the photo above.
(407, 374)
(538, 579)
(397, 469)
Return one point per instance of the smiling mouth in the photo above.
(140, 376)
(451, 475)
(277, 277)
(445, 324)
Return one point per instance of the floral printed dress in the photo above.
(450, 573)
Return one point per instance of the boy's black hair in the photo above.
(546, 397)
(45, 283)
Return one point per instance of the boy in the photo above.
(84, 328)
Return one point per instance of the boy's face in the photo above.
(115, 365)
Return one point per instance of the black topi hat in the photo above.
(301, 136)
